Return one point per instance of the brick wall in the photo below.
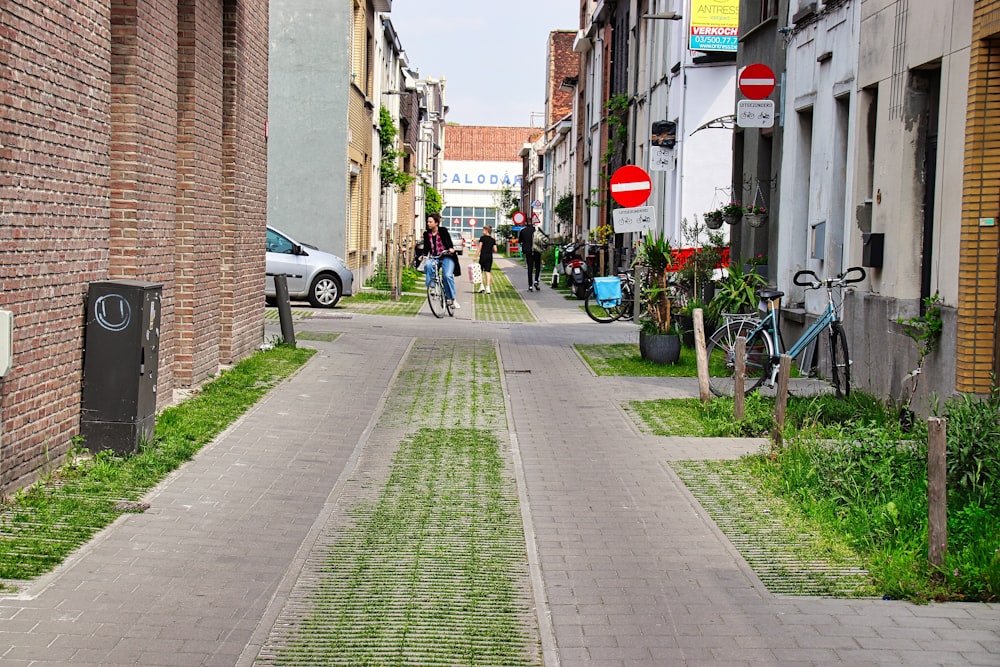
(90, 159)
(978, 291)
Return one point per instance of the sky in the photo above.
(492, 54)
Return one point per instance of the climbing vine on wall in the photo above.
(389, 171)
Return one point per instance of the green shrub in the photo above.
(974, 446)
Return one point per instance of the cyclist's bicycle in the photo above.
(764, 346)
(606, 308)
(435, 290)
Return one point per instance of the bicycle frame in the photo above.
(764, 343)
(769, 326)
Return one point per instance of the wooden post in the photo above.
(781, 399)
(740, 377)
(937, 506)
(701, 355)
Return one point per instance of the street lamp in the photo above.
(667, 16)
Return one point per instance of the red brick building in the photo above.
(132, 146)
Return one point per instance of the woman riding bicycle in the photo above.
(438, 244)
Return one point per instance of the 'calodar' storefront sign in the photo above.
(715, 25)
(470, 175)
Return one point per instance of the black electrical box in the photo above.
(872, 250)
(120, 363)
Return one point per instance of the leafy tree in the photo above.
(433, 202)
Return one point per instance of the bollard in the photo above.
(740, 378)
(781, 399)
(701, 355)
(937, 503)
(284, 309)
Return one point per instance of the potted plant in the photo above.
(757, 265)
(732, 212)
(658, 338)
(713, 218)
(755, 215)
(737, 291)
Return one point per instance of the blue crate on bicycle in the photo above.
(608, 291)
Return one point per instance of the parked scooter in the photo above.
(574, 268)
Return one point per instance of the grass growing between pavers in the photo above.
(41, 525)
(504, 304)
(424, 576)
(380, 303)
(791, 554)
(426, 564)
(849, 473)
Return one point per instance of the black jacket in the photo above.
(446, 242)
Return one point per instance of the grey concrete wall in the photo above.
(883, 355)
(310, 74)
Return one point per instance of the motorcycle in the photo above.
(575, 269)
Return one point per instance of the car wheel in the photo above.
(325, 291)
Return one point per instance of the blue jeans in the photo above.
(447, 268)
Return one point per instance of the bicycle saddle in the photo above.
(768, 294)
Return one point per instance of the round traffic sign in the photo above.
(518, 218)
(472, 222)
(630, 186)
(756, 81)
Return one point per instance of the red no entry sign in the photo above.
(630, 186)
(518, 218)
(756, 81)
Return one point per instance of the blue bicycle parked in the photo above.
(764, 346)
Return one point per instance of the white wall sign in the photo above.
(636, 219)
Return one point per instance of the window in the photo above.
(278, 243)
(768, 9)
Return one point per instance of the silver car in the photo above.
(311, 274)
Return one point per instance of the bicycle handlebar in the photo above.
(841, 280)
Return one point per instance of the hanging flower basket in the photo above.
(713, 220)
(732, 212)
(755, 219)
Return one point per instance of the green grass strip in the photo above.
(624, 359)
(46, 522)
(504, 304)
(423, 578)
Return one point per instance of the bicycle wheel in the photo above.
(449, 306)
(840, 361)
(721, 363)
(599, 313)
(627, 307)
(434, 298)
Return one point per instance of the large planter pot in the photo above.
(660, 348)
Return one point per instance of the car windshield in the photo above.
(278, 243)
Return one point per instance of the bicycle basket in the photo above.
(608, 291)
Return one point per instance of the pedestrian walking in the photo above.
(532, 255)
(485, 249)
